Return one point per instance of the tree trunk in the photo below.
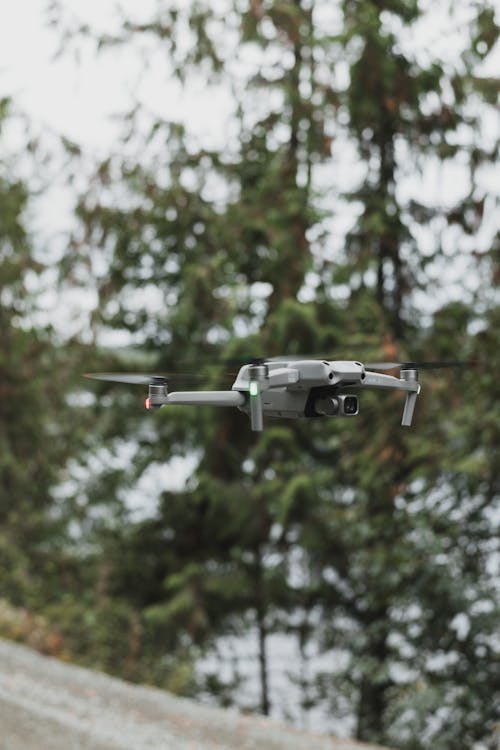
(371, 709)
(265, 705)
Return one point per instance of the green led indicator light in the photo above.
(254, 388)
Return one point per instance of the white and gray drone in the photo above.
(292, 388)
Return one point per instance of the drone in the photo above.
(294, 388)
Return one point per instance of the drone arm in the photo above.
(379, 380)
(206, 398)
(408, 382)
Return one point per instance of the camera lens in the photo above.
(350, 405)
(326, 406)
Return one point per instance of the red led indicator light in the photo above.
(147, 403)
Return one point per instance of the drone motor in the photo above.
(158, 394)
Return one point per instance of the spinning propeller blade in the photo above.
(130, 377)
(415, 365)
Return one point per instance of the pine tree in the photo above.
(389, 525)
(373, 566)
(192, 249)
(36, 438)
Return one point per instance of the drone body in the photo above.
(291, 388)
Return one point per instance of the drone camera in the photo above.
(351, 405)
(337, 406)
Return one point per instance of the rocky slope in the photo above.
(48, 705)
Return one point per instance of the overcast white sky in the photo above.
(53, 92)
(57, 93)
(77, 99)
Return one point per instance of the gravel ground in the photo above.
(48, 705)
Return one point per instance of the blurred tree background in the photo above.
(371, 550)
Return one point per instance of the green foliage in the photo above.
(390, 533)
(36, 436)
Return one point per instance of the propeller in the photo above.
(158, 384)
(415, 365)
(133, 378)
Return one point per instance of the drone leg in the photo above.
(411, 400)
(258, 376)
(256, 418)
(410, 375)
